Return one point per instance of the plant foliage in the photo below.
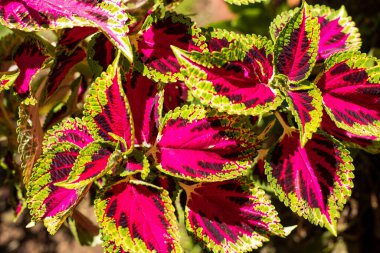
(142, 107)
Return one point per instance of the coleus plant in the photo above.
(177, 111)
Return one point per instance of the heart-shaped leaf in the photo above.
(237, 84)
(230, 216)
(218, 145)
(138, 217)
(350, 85)
(314, 181)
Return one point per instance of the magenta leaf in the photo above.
(143, 97)
(139, 217)
(70, 130)
(48, 202)
(154, 46)
(338, 32)
(306, 107)
(366, 143)
(106, 111)
(63, 63)
(30, 59)
(238, 82)
(315, 180)
(108, 15)
(94, 161)
(230, 216)
(350, 86)
(220, 146)
(296, 47)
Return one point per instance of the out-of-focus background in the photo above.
(359, 226)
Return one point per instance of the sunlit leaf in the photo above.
(315, 180)
(70, 130)
(33, 15)
(296, 46)
(237, 83)
(350, 85)
(338, 32)
(94, 161)
(106, 111)
(7, 79)
(367, 143)
(143, 96)
(218, 145)
(306, 107)
(48, 202)
(230, 216)
(139, 217)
